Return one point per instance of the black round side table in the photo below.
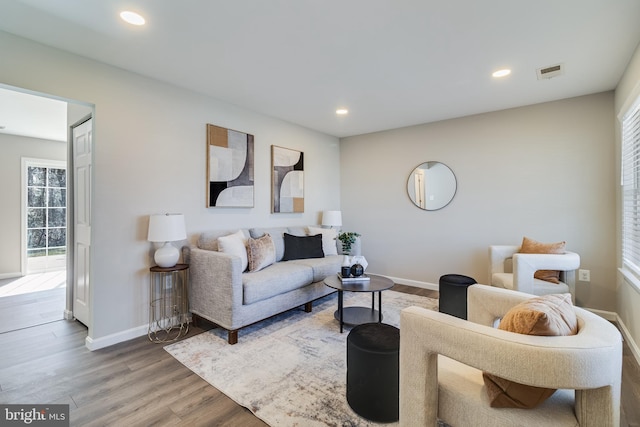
(373, 359)
(453, 294)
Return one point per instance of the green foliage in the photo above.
(348, 239)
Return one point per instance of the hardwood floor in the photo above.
(137, 383)
(32, 300)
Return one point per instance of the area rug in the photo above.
(289, 370)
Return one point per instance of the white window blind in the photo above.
(631, 188)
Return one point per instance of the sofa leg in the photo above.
(233, 337)
(308, 307)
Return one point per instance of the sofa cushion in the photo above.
(274, 280)
(329, 236)
(277, 235)
(235, 244)
(548, 315)
(209, 240)
(296, 247)
(261, 252)
(530, 246)
(322, 267)
(299, 231)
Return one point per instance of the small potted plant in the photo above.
(347, 239)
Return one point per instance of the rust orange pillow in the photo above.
(548, 315)
(530, 246)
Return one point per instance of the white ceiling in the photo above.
(392, 63)
(33, 116)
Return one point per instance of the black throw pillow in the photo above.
(296, 247)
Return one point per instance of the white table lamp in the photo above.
(166, 228)
(332, 218)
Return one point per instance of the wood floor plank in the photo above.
(27, 310)
(630, 395)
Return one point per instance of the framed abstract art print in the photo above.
(287, 180)
(229, 168)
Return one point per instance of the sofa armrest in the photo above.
(589, 361)
(525, 266)
(486, 304)
(497, 256)
(216, 285)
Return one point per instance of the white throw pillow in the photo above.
(235, 244)
(329, 236)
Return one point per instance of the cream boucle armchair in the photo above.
(523, 266)
(442, 359)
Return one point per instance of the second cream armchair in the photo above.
(519, 277)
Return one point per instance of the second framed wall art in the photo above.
(287, 180)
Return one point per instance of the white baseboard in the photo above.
(129, 334)
(609, 315)
(416, 283)
(10, 275)
(626, 334)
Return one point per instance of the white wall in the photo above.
(150, 146)
(544, 171)
(628, 303)
(14, 148)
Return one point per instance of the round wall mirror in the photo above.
(431, 186)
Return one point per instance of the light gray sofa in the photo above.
(232, 299)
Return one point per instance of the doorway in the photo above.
(34, 285)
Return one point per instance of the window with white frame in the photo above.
(631, 189)
(45, 219)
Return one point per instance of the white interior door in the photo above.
(419, 187)
(82, 146)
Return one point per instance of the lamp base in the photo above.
(167, 256)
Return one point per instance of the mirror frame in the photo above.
(455, 186)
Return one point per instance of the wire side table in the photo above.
(169, 303)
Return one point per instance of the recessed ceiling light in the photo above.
(501, 73)
(342, 111)
(132, 18)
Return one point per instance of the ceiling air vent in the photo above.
(549, 72)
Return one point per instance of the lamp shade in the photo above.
(166, 228)
(332, 218)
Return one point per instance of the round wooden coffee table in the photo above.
(359, 315)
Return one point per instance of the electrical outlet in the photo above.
(584, 275)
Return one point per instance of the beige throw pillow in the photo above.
(261, 252)
(548, 315)
(329, 236)
(530, 246)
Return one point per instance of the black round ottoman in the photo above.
(453, 294)
(372, 371)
